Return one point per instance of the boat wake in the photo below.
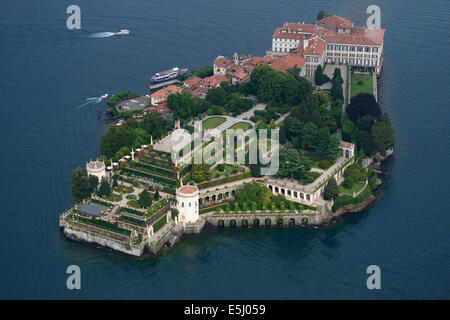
(102, 35)
(93, 100)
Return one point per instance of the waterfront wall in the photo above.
(104, 242)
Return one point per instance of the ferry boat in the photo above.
(122, 32)
(168, 75)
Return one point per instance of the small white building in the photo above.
(187, 204)
(96, 168)
(348, 149)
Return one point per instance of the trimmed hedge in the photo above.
(102, 203)
(135, 212)
(225, 180)
(104, 225)
(158, 224)
(170, 182)
(136, 222)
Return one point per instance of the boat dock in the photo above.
(163, 84)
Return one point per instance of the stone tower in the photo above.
(235, 58)
(187, 204)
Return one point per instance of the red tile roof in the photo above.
(287, 62)
(334, 22)
(362, 36)
(222, 62)
(214, 80)
(193, 81)
(165, 92)
(347, 144)
(187, 190)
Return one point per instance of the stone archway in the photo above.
(267, 222)
(304, 221)
(244, 223)
(256, 222)
(220, 223)
(280, 222)
(291, 222)
(232, 223)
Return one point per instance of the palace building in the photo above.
(331, 40)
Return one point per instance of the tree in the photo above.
(79, 185)
(104, 190)
(319, 77)
(92, 183)
(383, 135)
(117, 137)
(365, 142)
(361, 105)
(331, 190)
(115, 184)
(320, 15)
(156, 195)
(145, 201)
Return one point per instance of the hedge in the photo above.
(224, 180)
(105, 225)
(158, 224)
(135, 212)
(170, 182)
(102, 203)
(152, 169)
(129, 220)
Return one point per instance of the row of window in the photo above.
(286, 40)
(359, 55)
(189, 203)
(351, 48)
(359, 62)
(311, 59)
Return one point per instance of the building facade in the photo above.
(345, 44)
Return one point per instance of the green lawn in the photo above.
(240, 125)
(361, 83)
(355, 188)
(212, 122)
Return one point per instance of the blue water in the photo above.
(47, 72)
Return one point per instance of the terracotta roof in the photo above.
(287, 62)
(214, 80)
(193, 81)
(234, 68)
(334, 22)
(347, 144)
(240, 75)
(222, 62)
(187, 190)
(315, 47)
(165, 92)
(358, 35)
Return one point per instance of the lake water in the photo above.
(48, 72)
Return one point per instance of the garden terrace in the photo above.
(155, 161)
(148, 176)
(160, 223)
(100, 202)
(133, 222)
(224, 180)
(131, 212)
(147, 167)
(101, 224)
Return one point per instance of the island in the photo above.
(315, 92)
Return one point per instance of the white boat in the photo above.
(122, 32)
(104, 96)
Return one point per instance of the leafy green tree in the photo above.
(320, 15)
(115, 184)
(92, 183)
(145, 201)
(362, 105)
(331, 190)
(348, 182)
(383, 135)
(319, 77)
(153, 124)
(156, 195)
(117, 137)
(79, 185)
(104, 190)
